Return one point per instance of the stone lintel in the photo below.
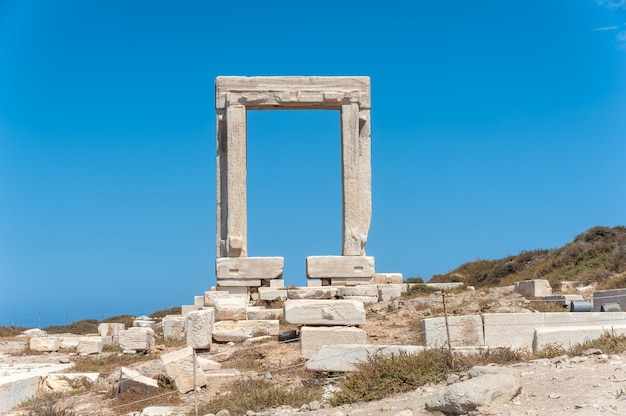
(339, 267)
(239, 282)
(249, 268)
(292, 92)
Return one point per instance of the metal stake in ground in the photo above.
(445, 315)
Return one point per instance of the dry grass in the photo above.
(543, 306)
(11, 331)
(135, 400)
(47, 405)
(608, 343)
(257, 395)
(107, 363)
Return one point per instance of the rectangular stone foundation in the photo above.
(249, 268)
(341, 267)
(313, 338)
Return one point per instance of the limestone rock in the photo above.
(174, 326)
(199, 328)
(313, 338)
(137, 339)
(324, 312)
(89, 345)
(66, 383)
(231, 308)
(45, 344)
(344, 357)
(132, 379)
(240, 331)
(179, 366)
(477, 393)
(109, 329)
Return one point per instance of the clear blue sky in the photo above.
(497, 127)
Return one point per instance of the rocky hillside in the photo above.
(596, 256)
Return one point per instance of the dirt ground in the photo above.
(589, 385)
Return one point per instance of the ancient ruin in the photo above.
(234, 96)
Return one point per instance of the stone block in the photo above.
(313, 293)
(340, 267)
(276, 283)
(45, 344)
(69, 343)
(366, 300)
(387, 278)
(261, 313)
(514, 330)
(312, 338)
(234, 290)
(572, 335)
(198, 302)
(444, 286)
(207, 364)
(465, 331)
(240, 331)
(137, 339)
(199, 328)
(249, 268)
(314, 283)
(387, 293)
(350, 281)
(565, 300)
(174, 326)
(361, 290)
(239, 282)
(89, 345)
(232, 308)
(537, 288)
(209, 297)
(132, 379)
(552, 319)
(269, 294)
(66, 383)
(601, 297)
(345, 357)
(179, 366)
(185, 309)
(110, 329)
(144, 322)
(324, 312)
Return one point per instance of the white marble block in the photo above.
(465, 331)
(339, 266)
(89, 345)
(179, 366)
(232, 308)
(173, 327)
(312, 338)
(199, 328)
(109, 329)
(324, 312)
(137, 339)
(241, 268)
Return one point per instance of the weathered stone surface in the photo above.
(207, 364)
(277, 283)
(386, 293)
(572, 335)
(132, 379)
(476, 394)
(340, 267)
(144, 322)
(465, 331)
(514, 330)
(70, 343)
(268, 293)
(366, 300)
(361, 290)
(239, 283)
(35, 332)
(234, 290)
(159, 411)
(137, 339)
(324, 312)
(45, 344)
(442, 286)
(344, 357)
(199, 328)
(174, 326)
(350, 281)
(179, 366)
(66, 383)
(537, 288)
(564, 299)
(261, 313)
(242, 268)
(314, 283)
(313, 293)
(231, 308)
(110, 329)
(387, 278)
(312, 338)
(198, 301)
(240, 331)
(89, 345)
(185, 309)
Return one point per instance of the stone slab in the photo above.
(569, 336)
(390, 292)
(137, 339)
(537, 288)
(314, 283)
(241, 268)
(387, 278)
(340, 267)
(313, 293)
(342, 358)
(234, 290)
(465, 331)
(240, 331)
(269, 294)
(185, 309)
(261, 313)
(366, 300)
(361, 290)
(324, 312)
(133, 379)
(66, 382)
(277, 283)
(90, 345)
(514, 330)
(179, 366)
(232, 308)
(350, 281)
(198, 301)
(199, 328)
(45, 344)
(174, 326)
(239, 282)
(110, 329)
(312, 338)
(444, 286)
